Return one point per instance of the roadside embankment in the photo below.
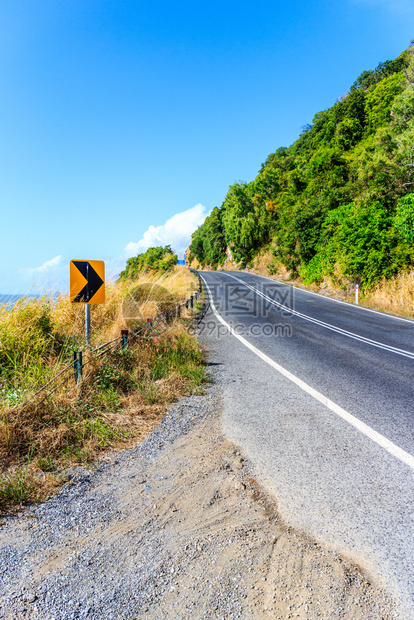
(394, 295)
(49, 420)
(177, 527)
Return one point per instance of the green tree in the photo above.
(333, 202)
(404, 219)
(154, 259)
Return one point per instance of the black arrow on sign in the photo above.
(93, 284)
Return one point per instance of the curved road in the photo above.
(320, 395)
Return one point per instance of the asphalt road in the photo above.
(319, 394)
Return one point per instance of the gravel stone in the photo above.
(177, 527)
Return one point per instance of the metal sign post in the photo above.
(87, 286)
(87, 324)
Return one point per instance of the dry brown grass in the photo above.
(122, 396)
(395, 296)
(261, 263)
(107, 319)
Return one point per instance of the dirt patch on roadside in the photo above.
(230, 555)
(188, 533)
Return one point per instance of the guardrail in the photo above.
(75, 369)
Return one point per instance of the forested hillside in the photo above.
(159, 259)
(339, 202)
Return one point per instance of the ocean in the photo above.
(10, 300)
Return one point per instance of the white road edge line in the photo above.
(338, 301)
(338, 330)
(363, 428)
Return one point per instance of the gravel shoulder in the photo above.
(178, 527)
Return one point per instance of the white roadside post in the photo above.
(356, 293)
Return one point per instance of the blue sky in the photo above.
(123, 123)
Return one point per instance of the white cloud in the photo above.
(49, 264)
(176, 232)
(113, 267)
(49, 277)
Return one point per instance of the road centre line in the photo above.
(337, 301)
(334, 328)
(363, 428)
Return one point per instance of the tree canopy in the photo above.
(154, 259)
(338, 202)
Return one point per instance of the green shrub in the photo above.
(356, 152)
(404, 219)
(358, 243)
(160, 259)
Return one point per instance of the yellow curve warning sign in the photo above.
(87, 281)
